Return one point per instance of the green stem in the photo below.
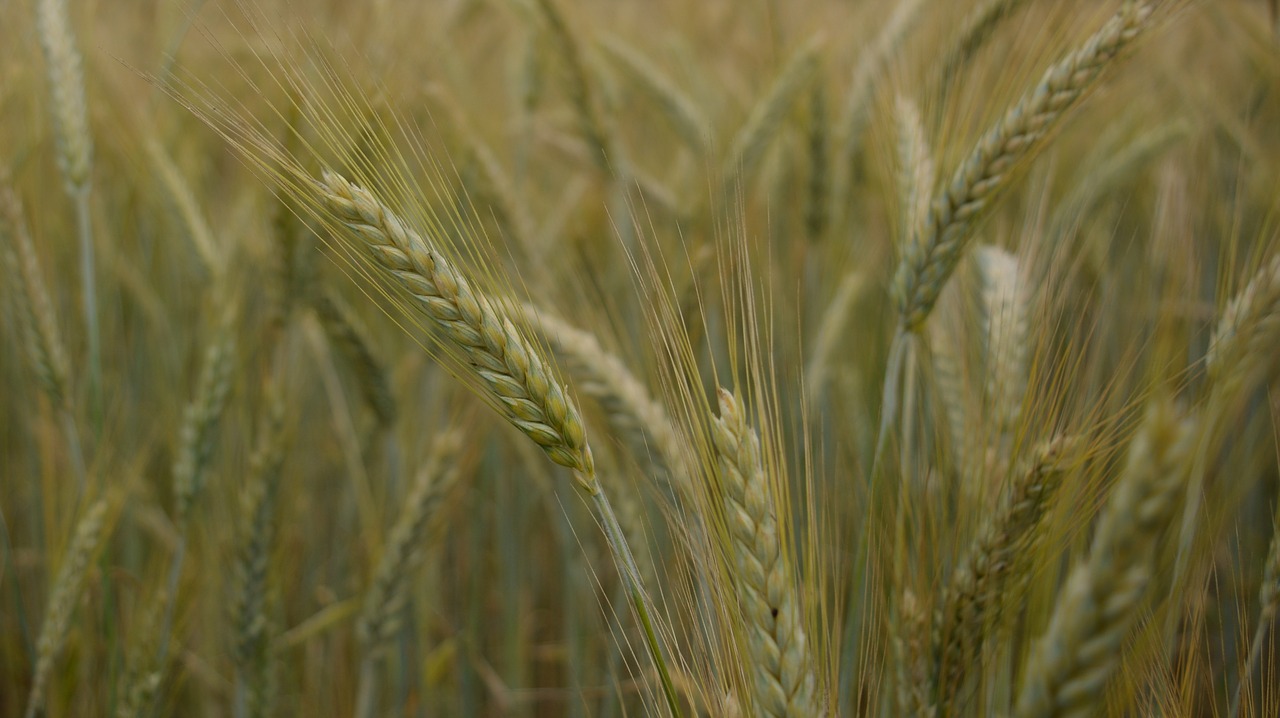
(631, 576)
(88, 287)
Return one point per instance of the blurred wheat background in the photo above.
(646, 357)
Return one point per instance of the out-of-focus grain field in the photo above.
(647, 357)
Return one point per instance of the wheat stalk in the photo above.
(782, 668)
(928, 262)
(63, 599)
(1071, 663)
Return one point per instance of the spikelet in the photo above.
(1070, 665)
(949, 227)
(782, 668)
(63, 599)
(915, 168)
(524, 386)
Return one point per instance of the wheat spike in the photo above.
(685, 117)
(1248, 332)
(249, 605)
(63, 599)
(915, 168)
(66, 83)
(929, 261)
(993, 572)
(525, 387)
(976, 29)
(43, 345)
(782, 668)
(766, 117)
(200, 421)
(911, 651)
(1070, 665)
(406, 543)
(1006, 334)
(632, 412)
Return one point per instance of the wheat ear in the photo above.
(251, 624)
(1070, 665)
(581, 92)
(75, 157)
(915, 167)
(43, 345)
(1006, 334)
(509, 366)
(911, 653)
(525, 389)
(679, 109)
(976, 29)
(929, 261)
(782, 668)
(994, 571)
(766, 117)
(1248, 332)
(1268, 607)
(200, 421)
(63, 599)
(632, 412)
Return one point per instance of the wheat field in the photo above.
(568, 358)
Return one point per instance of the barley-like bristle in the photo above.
(352, 342)
(911, 651)
(994, 571)
(782, 668)
(1070, 665)
(41, 340)
(199, 430)
(527, 391)
(949, 227)
(63, 599)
